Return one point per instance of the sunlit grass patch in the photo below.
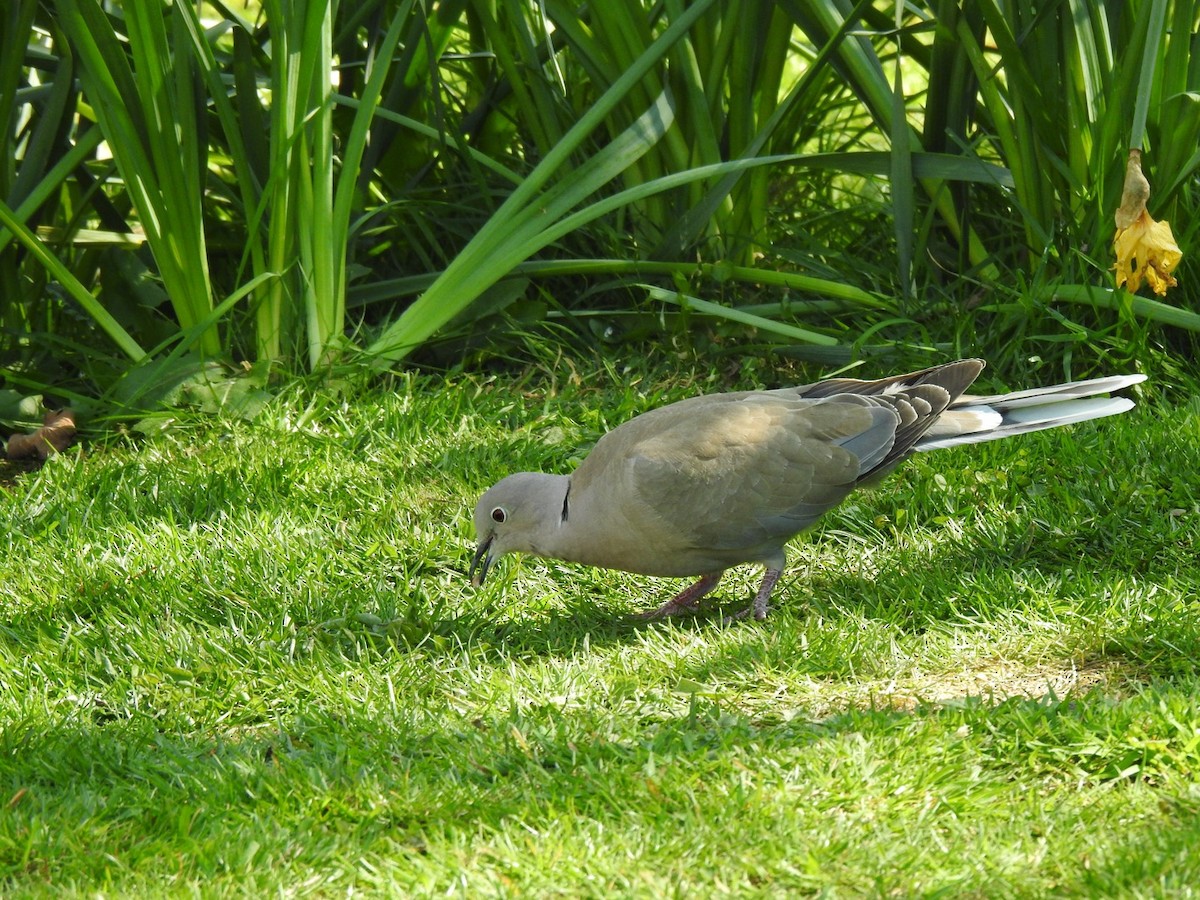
(244, 658)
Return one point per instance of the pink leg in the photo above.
(685, 601)
(760, 608)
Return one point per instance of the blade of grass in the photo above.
(940, 165)
(718, 272)
(1145, 81)
(474, 266)
(716, 310)
(53, 179)
(1123, 301)
(71, 284)
(135, 383)
(151, 127)
(901, 174)
(331, 308)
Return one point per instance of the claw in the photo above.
(760, 607)
(686, 601)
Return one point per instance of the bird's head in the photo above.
(516, 515)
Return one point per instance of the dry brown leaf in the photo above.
(1135, 194)
(57, 431)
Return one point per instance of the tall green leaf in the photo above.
(145, 99)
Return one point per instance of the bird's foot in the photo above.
(761, 605)
(746, 613)
(686, 601)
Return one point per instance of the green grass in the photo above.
(241, 659)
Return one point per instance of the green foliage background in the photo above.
(289, 186)
(240, 657)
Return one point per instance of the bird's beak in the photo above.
(482, 561)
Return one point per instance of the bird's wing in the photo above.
(730, 471)
(953, 377)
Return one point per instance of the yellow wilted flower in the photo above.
(1144, 248)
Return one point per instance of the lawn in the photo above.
(242, 658)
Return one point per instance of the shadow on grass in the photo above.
(13, 470)
(964, 583)
(122, 790)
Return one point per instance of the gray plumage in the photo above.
(701, 485)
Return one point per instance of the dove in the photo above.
(696, 487)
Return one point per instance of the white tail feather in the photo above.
(965, 420)
(981, 419)
(1036, 396)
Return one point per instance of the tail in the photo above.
(972, 420)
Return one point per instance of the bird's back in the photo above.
(712, 481)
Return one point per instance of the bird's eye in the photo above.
(499, 515)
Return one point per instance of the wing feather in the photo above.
(754, 471)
